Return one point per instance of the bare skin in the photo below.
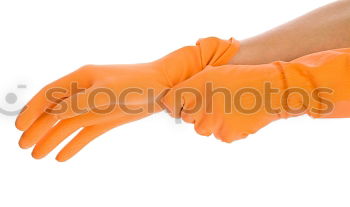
(322, 29)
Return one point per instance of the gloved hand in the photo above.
(112, 95)
(233, 101)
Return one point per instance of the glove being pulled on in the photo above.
(233, 101)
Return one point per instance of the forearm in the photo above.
(322, 29)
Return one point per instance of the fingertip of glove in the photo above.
(226, 140)
(61, 158)
(25, 142)
(20, 125)
(37, 155)
(203, 133)
(23, 145)
(229, 140)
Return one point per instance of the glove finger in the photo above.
(84, 137)
(229, 132)
(47, 121)
(37, 130)
(68, 126)
(40, 102)
(65, 128)
(203, 126)
(54, 137)
(89, 133)
(187, 118)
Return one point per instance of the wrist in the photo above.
(253, 52)
(187, 61)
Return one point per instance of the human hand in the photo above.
(233, 101)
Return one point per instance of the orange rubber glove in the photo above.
(99, 104)
(233, 101)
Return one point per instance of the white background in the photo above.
(154, 161)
